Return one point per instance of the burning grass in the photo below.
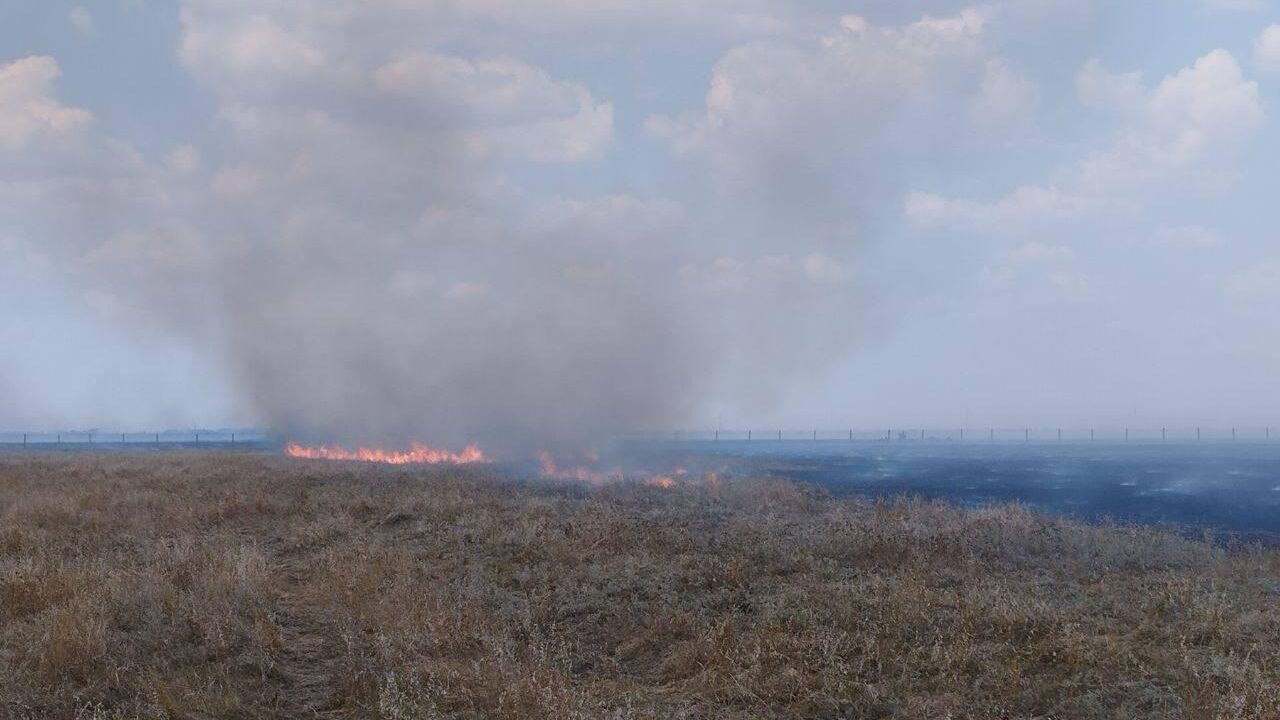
(191, 586)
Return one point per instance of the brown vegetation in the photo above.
(199, 586)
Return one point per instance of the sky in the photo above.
(453, 219)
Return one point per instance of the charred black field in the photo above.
(246, 585)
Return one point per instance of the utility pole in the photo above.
(1059, 434)
(748, 436)
(1163, 434)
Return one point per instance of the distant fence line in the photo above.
(107, 438)
(974, 434)
(82, 438)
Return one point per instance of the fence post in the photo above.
(850, 436)
(993, 435)
(815, 436)
(748, 436)
(779, 435)
(1059, 434)
(1126, 434)
(1164, 434)
(24, 439)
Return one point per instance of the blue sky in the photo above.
(445, 218)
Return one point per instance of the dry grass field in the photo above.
(252, 586)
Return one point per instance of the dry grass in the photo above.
(197, 586)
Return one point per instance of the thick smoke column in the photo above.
(365, 246)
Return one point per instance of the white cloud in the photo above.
(1266, 50)
(241, 53)
(1009, 214)
(795, 133)
(1006, 94)
(28, 109)
(1190, 118)
(1098, 88)
(81, 20)
(512, 107)
(1189, 122)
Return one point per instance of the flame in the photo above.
(665, 482)
(417, 454)
(549, 469)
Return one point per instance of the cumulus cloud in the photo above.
(509, 106)
(1266, 50)
(809, 131)
(28, 109)
(1170, 133)
(1006, 94)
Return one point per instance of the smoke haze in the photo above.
(530, 225)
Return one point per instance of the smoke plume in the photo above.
(370, 242)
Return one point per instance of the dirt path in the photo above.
(310, 649)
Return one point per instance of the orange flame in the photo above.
(549, 469)
(417, 454)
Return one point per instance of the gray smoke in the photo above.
(364, 243)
